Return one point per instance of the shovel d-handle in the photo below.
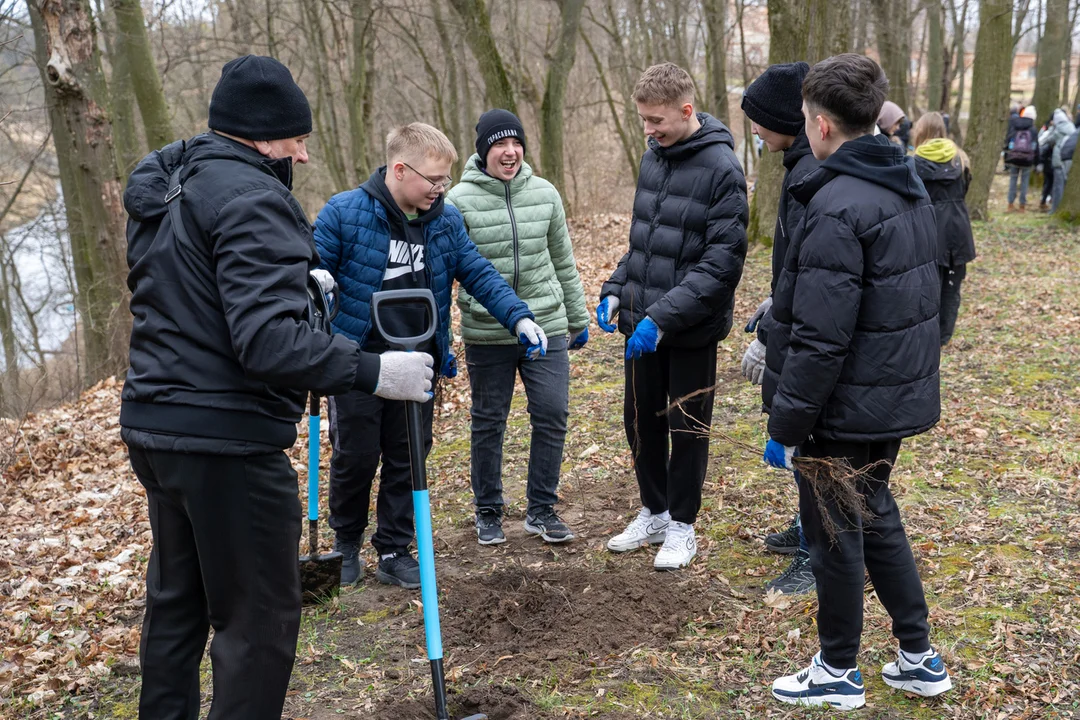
(387, 298)
(313, 475)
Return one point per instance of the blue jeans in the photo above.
(1023, 175)
(492, 371)
(1061, 175)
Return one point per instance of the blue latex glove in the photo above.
(779, 456)
(605, 313)
(644, 340)
(449, 368)
(580, 340)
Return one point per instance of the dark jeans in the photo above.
(1048, 184)
(1019, 178)
(492, 371)
(881, 547)
(364, 429)
(951, 279)
(670, 482)
(226, 533)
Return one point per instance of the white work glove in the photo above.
(405, 376)
(763, 308)
(326, 280)
(531, 335)
(753, 362)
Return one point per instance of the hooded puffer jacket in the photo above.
(947, 179)
(520, 226)
(854, 352)
(1057, 133)
(687, 239)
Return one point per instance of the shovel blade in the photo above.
(320, 577)
(475, 717)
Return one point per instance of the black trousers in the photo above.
(364, 429)
(226, 534)
(951, 278)
(670, 481)
(881, 547)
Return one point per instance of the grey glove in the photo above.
(531, 336)
(405, 376)
(758, 314)
(326, 280)
(753, 362)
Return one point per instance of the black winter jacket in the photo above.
(947, 184)
(854, 353)
(799, 161)
(222, 355)
(687, 239)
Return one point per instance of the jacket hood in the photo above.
(871, 158)
(939, 150)
(1022, 122)
(1061, 122)
(473, 174)
(711, 132)
(144, 197)
(798, 150)
(939, 171)
(375, 186)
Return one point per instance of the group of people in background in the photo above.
(1048, 150)
(870, 248)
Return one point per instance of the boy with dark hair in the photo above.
(773, 103)
(395, 233)
(852, 370)
(674, 291)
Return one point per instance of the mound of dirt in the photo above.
(498, 702)
(525, 616)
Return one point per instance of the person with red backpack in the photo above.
(1021, 154)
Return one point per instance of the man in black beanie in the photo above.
(773, 103)
(222, 358)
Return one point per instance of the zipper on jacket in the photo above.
(513, 230)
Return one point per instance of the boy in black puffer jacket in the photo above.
(944, 170)
(674, 291)
(852, 369)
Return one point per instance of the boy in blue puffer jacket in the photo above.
(394, 233)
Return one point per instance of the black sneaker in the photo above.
(352, 565)
(399, 568)
(489, 527)
(545, 523)
(785, 542)
(798, 579)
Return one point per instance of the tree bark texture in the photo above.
(481, 40)
(1051, 54)
(133, 41)
(989, 96)
(551, 109)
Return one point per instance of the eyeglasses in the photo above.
(441, 185)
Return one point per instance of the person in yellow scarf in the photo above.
(945, 171)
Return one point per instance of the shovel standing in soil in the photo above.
(421, 505)
(320, 575)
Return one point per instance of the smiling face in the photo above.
(411, 182)
(667, 124)
(503, 161)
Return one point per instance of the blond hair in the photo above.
(664, 84)
(931, 126)
(416, 142)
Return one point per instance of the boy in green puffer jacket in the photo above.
(517, 221)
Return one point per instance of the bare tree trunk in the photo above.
(551, 109)
(453, 112)
(627, 143)
(134, 43)
(323, 111)
(892, 26)
(960, 65)
(481, 41)
(77, 99)
(122, 97)
(936, 86)
(1066, 82)
(1051, 53)
(1069, 210)
(716, 57)
(989, 94)
(788, 42)
(749, 156)
(361, 87)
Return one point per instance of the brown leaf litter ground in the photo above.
(532, 631)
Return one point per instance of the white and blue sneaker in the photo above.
(815, 685)
(927, 678)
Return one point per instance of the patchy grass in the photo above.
(989, 498)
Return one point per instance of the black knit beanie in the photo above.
(257, 99)
(774, 100)
(494, 125)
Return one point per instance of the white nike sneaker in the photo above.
(645, 529)
(815, 685)
(680, 547)
(928, 678)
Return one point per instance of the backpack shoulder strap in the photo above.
(172, 201)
